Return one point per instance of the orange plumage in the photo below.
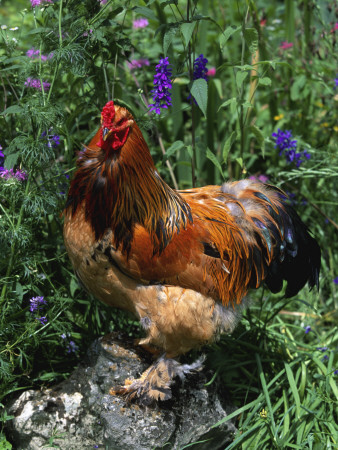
(181, 261)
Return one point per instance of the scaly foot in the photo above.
(154, 384)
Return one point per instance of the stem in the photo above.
(193, 141)
(241, 116)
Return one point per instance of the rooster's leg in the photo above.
(154, 384)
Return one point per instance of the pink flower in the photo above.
(285, 45)
(20, 175)
(34, 54)
(39, 2)
(137, 63)
(36, 84)
(140, 23)
(261, 178)
(87, 32)
(211, 72)
(103, 2)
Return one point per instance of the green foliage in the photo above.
(283, 386)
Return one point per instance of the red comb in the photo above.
(108, 114)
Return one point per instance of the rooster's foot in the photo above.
(154, 384)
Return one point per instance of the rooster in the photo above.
(181, 261)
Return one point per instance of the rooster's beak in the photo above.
(105, 133)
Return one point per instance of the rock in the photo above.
(79, 413)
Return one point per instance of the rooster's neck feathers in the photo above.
(121, 189)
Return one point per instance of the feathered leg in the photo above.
(154, 384)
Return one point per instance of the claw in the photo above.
(154, 384)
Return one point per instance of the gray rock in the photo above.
(79, 413)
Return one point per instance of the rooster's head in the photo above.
(115, 125)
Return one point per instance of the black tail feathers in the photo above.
(298, 258)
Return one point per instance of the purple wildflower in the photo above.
(335, 83)
(335, 280)
(325, 358)
(262, 178)
(39, 2)
(36, 84)
(42, 320)
(34, 54)
(142, 22)
(1, 154)
(72, 347)
(322, 349)
(7, 174)
(200, 70)
(283, 140)
(162, 84)
(335, 372)
(138, 63)
(288, 146)
(53, 140)
(36, 303)
(307, 329)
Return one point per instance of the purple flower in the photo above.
(283, 140)
(39, 2)
(288, 146)
(42, 320)
(36, 84)
(138, 63)
(53, 140)
(325, 358)
(36, 303)
(162, 84)
(33, 54)
(72, 347)
(335, 280)
(335, 83)
(20, 175)
(140, 23)
(1, 154)
(307, 329)
(200, 70)
(322, 349)
(335, 372)
(262, 178)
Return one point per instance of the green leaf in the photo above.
(11, 160)
(187, 29)
(227, 145)
(297, 87)
(265, 81)
(240, 77)
(190, 152)
(240, 161)
(38, 30)
(199, 90)
(73, 286)
(227, 102)
(174, 148)
(259, 136)
(168, 38)
(224, 37)
(251, 38)
(214, 160)
(144, 11)
(19, 290)
(15, 109)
